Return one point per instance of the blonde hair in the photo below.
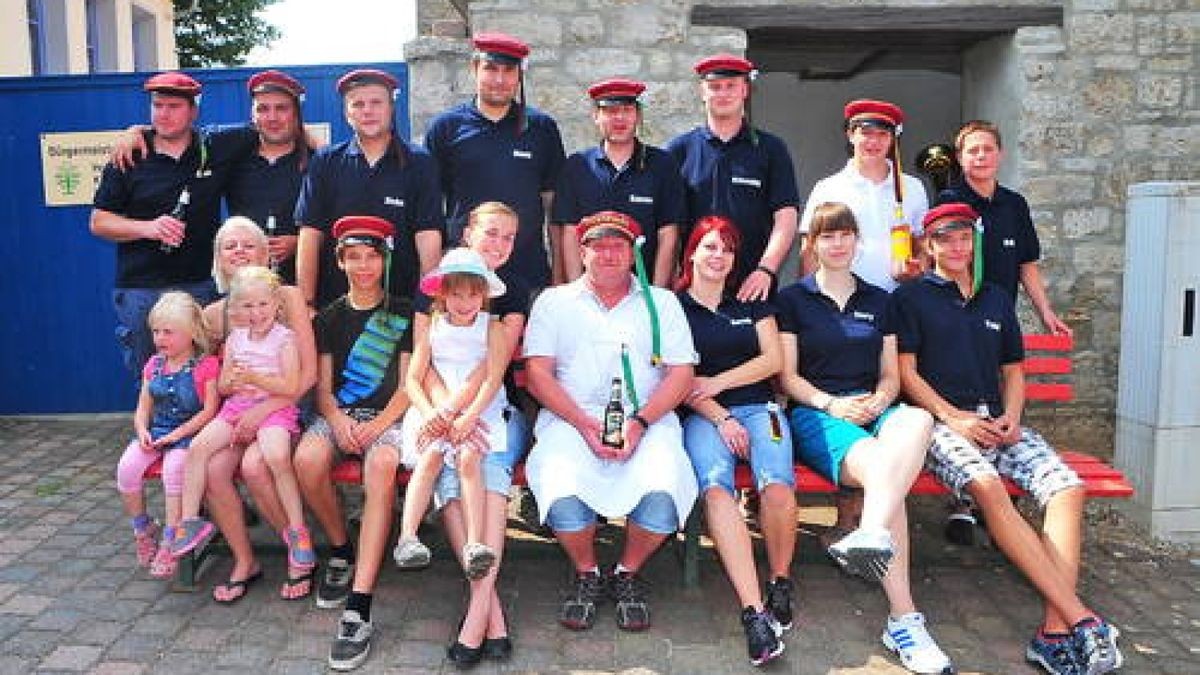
(183, 309)
(231, 224)
(252, 276)
(490, 209)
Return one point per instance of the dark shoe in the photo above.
(779, 601)
(629, 592)
(579, 608)
(352, 643)
(762, 636)
(498, 649)
(1095, 643)
(462, 656)
(335, 584)
(1056, 657)
(960, 529)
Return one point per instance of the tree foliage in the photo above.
(220, 32)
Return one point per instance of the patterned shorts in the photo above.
(321, 429)
(1030, 463)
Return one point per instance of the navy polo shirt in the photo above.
(1009, 238)
(839, 348)
(960, 344)
(726, 339)
(747, 180)
(151, 188)
(261, 188)
(340, 182)
(648, 188)
(480, 160)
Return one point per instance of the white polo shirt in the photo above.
(874, 207)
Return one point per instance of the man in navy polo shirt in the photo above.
(157, 251)
(622, 174)
(497, 148)
(376, 173)
(745, 174)
(960, 358)
(265, 185)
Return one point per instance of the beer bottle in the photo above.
(272, 261)
(614, 418)
(179, 212)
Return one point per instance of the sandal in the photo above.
(305, 581)
(235, 590)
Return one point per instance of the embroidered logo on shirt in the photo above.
(994, 325)
(742, 180)
(740, 322)
(864, 316)
(638, 199)
(393, 201)
(1010, 243)
(522, 154)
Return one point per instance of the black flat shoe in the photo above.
(498, 649)
(463, 656)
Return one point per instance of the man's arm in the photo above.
(758, 284)
(429, 249)
(664, 257)
(308, 262)
(984, 433)
(1031, 279)
(571, 256)
(119, 229)
(559, 272)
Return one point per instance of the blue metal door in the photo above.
(57, 350)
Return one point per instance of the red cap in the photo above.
(500, 48)
(607, 223)
(274, 80)
(616, 91)
(723, 65)
(356, 78)
(370, 230)
(875, 113)
(173, 83)
(948, 216)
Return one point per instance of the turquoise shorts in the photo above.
(823, 441)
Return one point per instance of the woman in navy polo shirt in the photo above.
(735, 417)
(839, 369)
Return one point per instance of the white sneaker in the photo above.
(411, 554)
(910, 641)
(865, 552)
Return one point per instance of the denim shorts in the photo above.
(713, 461)
(654, 513)
(823, 441)
(497, 466)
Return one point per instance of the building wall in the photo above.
(128, 35)
(1106, 100)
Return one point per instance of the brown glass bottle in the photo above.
(614, 418)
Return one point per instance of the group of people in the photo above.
(641, 286)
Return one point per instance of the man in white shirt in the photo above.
(604, 337)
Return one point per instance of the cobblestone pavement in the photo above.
(72, 601)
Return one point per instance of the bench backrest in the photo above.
(1045, 357)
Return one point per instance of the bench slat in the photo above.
(1043, 365)
(1049, 391)
(1048, 342)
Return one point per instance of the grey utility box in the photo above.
(1158, 398)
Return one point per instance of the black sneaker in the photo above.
(762, 636)
(779, 601)
(335, 584)
(352, 642)
(629, 592)
(579, 608)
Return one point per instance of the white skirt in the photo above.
(561, 464)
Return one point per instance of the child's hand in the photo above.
(145, 440)
(164, 441)
(462, 426)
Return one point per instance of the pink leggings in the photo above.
(134, 463)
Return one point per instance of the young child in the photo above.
(178, 397)
(260, 360)
(466, 347)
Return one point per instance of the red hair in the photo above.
(729, 234)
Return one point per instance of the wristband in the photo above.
(637, 417)
(822, 403)
(768, 270)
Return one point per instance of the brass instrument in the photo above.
(937, 162)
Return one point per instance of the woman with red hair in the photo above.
(734, 418)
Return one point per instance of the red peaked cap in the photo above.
(607, 223)
(948, 216)
(875, 113)
(722, 65)
(616, 91)
(274, 80)
(173, 83)
(500, 48)
(371, 226)
(363, 76)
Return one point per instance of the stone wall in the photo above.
(1105, 100)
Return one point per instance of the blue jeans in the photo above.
(713, 461)
(133, 306)
(654, 513)
(497, 466)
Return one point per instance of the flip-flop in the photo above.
(292, 582)
(239, 588)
